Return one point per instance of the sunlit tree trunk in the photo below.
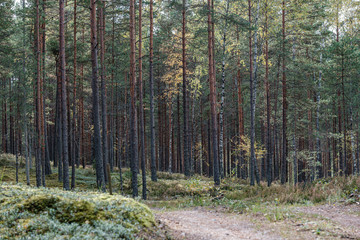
(141, 108)
(221, 116)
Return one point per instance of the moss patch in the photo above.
(41, 213)
(40, 203)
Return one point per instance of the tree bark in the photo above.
(133, 121)
(284, 102)
(253, 79)
(74, 103)
(64, 129)
(38, 100)
(185, 95)
(141, 108)
(105, 143)
(212, 81)
(268, 106)
(221, 116)
(97, 148)
(152, 120)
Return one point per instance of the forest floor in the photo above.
(304, 222)
(193, 208)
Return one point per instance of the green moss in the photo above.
(40, 203)
(70, 211)
(31, 212)
(132, 212)
(66, 211)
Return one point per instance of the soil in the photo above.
(345, 218)
(314, 222)
(205, 224)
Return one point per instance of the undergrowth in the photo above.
(173, 190)
(44, 213)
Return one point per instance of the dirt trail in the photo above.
(201, 224)
(345, 218)
(316, 222)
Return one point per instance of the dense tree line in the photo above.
(259, 90)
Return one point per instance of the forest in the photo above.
(176, 119)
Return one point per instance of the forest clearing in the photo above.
(179, 119)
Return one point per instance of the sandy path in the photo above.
(346, 218)
(333, 222)
(201, 224)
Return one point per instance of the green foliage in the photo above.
(37, 204)
(168, 188)
(170, 176)
(40, 213)
(236, 195)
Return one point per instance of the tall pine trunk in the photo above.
(95, 98)
(133, 119)
(284, 102)
(185, 96)
(152, 119)
(37, 103)
(74, 106)
(105, 143)
(141, 108)
(65, 148)
(221, 116)
(268, 106)
(213, 103)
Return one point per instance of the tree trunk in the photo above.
(74, 105)
(295, 161)
(24, 115)
(185, 95)
(318, 143)
(58, 123)
(345, 165)
(47, 153)
(253, 82)
(179, 158)
(133, 121)
(284, 102)
(353, 151)
(221, 116)
(38, 100)
(268, 105)
(212, 81)
(81, 112)
(141, 108)
(170, 136)
(97, 148)
(105, 143)
(65, 148)
(357, 152)
(152, 120)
